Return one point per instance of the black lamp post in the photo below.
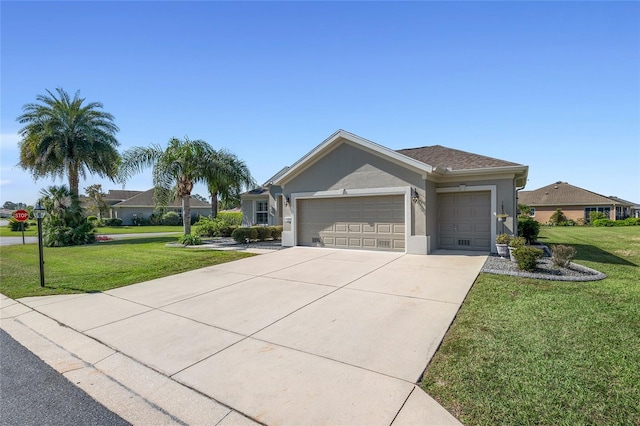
(39, 212)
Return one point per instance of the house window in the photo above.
(605, 210)
(262, 212)
(532, 212)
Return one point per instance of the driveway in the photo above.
(297, 336)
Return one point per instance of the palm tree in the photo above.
(62, 137)
(175, 170)
(226, 176)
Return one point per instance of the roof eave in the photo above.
(520, 171)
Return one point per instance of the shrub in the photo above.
(568, 222)
(190, 240)
(597, 215)
(517, 242)
(140, 221)
(557, 217)
(60, 236)
(244, 235)
(632, 221)
(503, 238)
(231, 218)
(264, 232)
(155, 219)
(227, 231)
(581, 221)
(171, 219)
(114, 221)
(528, 228)
(562, 255)
(276, 232)
(601, 222)
(92, 218)
(206, 227)
(14, 225)
(527, 258)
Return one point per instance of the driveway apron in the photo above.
(302, 336)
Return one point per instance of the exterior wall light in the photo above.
(414, 195)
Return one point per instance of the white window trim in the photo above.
(256, 211)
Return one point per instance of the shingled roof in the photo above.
(453, 159)
(145, 199)
(563, 194)
(120, 195)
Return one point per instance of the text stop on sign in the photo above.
(21, 215)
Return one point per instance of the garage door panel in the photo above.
(464, 221)
(370, 222)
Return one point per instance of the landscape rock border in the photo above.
(545, 271)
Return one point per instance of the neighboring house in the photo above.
(349, 192)
(576, 203)
(141, 205)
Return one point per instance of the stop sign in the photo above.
(21, 215)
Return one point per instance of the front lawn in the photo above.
(32, 231)
(99, 267)
(524, 351)
(112, 230)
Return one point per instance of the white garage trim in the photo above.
(478, 188)
(338, 193)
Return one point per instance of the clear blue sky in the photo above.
(553, 85)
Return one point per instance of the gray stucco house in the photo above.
(142, 204)
(349, 192)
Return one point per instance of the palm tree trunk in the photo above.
(186, 214)
(214, 205)
(74, 180)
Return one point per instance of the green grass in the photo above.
(137, 229)
(99, 267)
(524, 351)
(32, 231)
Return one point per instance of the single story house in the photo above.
(349, 192)
(141, 204)
(576, 203)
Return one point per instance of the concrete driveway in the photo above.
(294, 337)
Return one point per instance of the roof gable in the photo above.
(341, 137)
(562, 193)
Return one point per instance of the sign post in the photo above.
(21, 216)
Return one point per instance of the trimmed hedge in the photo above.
(114, 221)
(244, 235)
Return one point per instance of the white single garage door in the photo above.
(464, 221)
(370, 223)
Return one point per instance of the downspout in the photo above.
(515, 221)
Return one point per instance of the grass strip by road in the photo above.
(524, 351)
(101, 266)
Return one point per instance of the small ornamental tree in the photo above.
(557, 217)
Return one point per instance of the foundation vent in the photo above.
(384, 243)
(464, 243)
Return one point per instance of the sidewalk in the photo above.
(131, 390)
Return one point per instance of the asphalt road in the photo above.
(33, 393)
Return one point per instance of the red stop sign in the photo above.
(21, 215)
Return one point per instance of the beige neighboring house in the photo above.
(576, 203)
(141, 204)
(349, 192)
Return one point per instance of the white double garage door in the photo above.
(378, 222)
